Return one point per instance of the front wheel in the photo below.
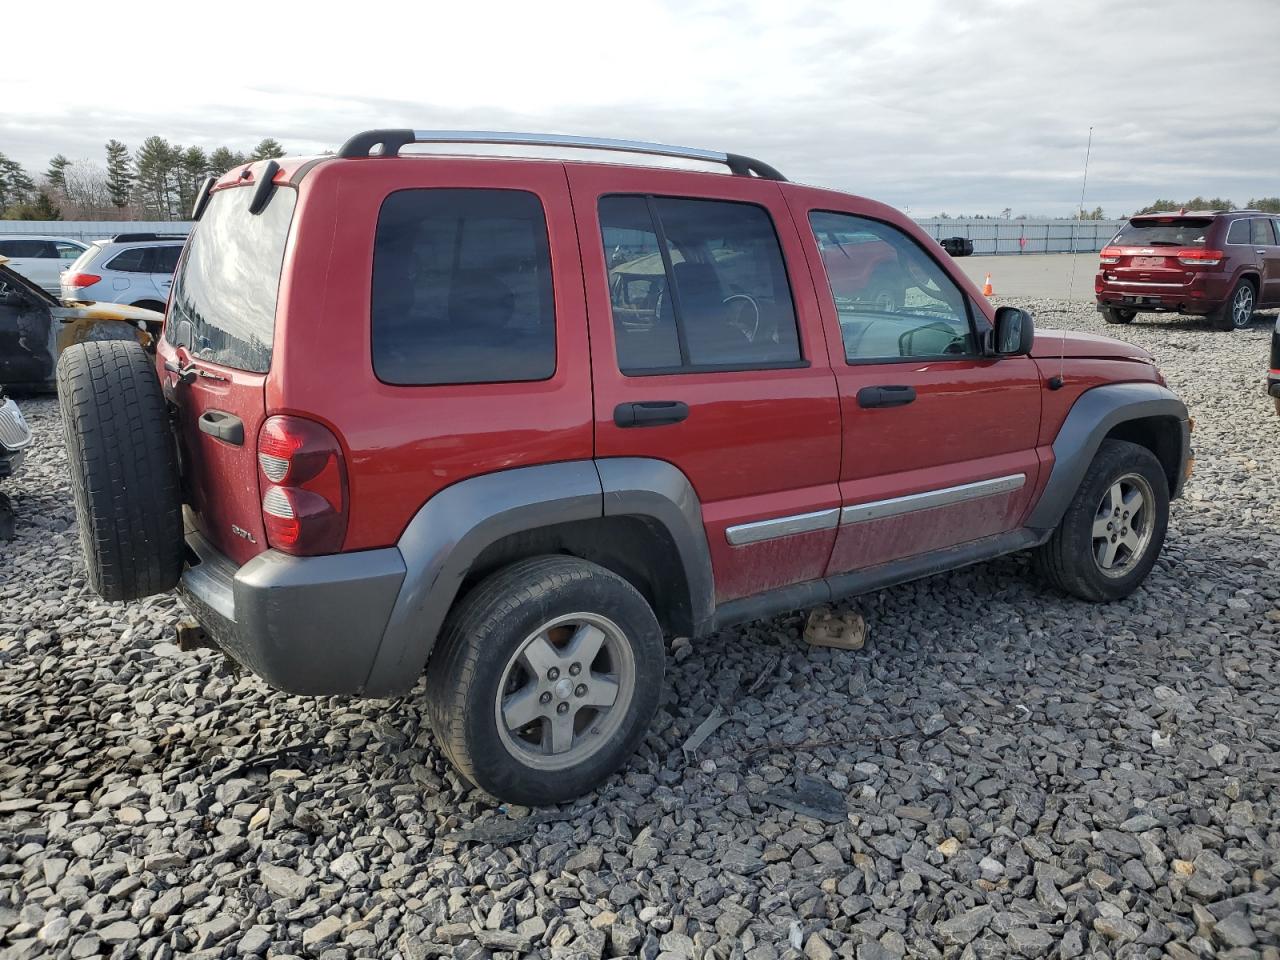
(1114, 528)
(545, 679)
(1116, 315)
(1237, 312)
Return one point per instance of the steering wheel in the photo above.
(733, 320)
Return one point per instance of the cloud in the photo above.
(930, 105)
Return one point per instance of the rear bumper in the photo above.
(308, 625)
(1203, 294)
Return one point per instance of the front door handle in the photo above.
(887, 396)
(650, 413)
(224, 426)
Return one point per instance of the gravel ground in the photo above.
(1001, 771)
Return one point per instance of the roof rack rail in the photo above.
(390, 142)
(139, 237)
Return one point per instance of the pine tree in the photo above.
(222, 160)
(194, 167)
(16, 185)
(156, 165)
(268, 149)
(119, 173)
(57, 175)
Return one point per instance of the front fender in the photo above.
(1093, 416)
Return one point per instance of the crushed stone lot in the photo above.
(1001, 771)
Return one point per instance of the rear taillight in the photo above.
(1194, 257)
(1097, 283)
(1109, 255)
(304, 483)
(82, 279)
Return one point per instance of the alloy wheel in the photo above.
(565, 691)
(1122, 525)
(1242, 306)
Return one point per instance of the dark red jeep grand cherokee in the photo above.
(1222, 264)
(509, 421)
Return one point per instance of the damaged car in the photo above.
(15, 436)
(35, 327)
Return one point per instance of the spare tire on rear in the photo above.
(124, 468)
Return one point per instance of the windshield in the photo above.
(1179, 233)
(224, 295)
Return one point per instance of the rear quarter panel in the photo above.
(403, 444)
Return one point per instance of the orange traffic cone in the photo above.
(986, 287)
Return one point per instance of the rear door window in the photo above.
(164, 259)
(26, 249)
(223, 306)
(1261, 232)
(696, 285)
(462, 288)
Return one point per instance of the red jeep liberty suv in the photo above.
(508, 421)
(1221, 264)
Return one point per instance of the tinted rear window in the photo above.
(224, 296)
(1179, 233)
(462, 288)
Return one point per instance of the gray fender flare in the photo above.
(1095, 413)
(638, 486)
(454, 527)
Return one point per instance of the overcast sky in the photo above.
(963, 106)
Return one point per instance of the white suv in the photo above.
(133, 268)
(40, 259)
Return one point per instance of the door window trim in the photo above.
(970, 310)
(660, 235)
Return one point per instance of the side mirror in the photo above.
(1014, 333)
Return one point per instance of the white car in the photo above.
(40, 259)
(132, 268)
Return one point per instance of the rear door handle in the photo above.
(891, 395)
(223, 425)
(650, 413)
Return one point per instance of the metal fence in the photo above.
(988, 236)
(1027, 236)
(90, 229)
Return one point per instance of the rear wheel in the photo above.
(1237, 312)
(1114, 528)
(124, 470)
(1116, 315)
(545, 679)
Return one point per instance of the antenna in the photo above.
(1055, 383)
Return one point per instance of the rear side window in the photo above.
(223, 306)
(1175, 233)
(132, 260)
(1238, 232)
(462, 288)
(696, 285)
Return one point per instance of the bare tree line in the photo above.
(158, 181)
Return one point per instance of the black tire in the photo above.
(482, 637)
(1231, 316)
(124, 469)
(1116, 315)
(1068, 560)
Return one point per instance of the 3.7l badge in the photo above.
(243, 533)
